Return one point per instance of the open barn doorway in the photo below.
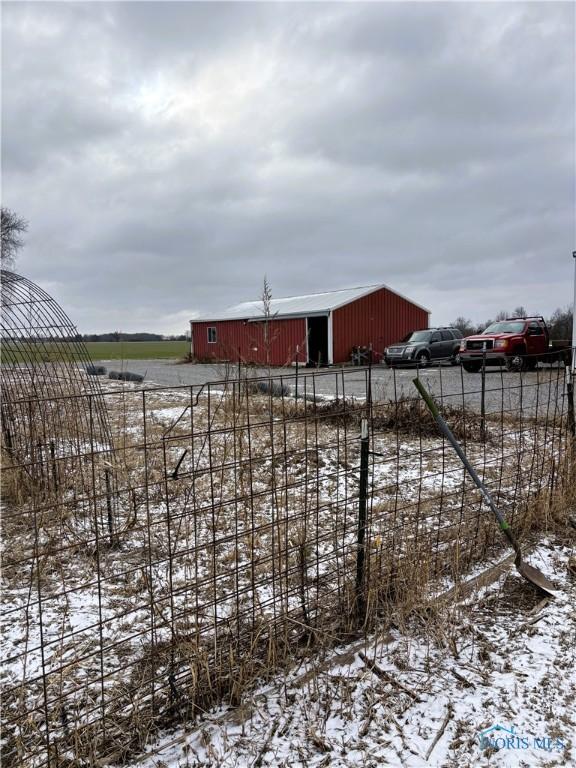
(317, 340)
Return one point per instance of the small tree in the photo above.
(266, 298)
(12, 228)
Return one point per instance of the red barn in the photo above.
(319, 329)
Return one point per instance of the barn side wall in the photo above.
(379, 319)
(239, 339)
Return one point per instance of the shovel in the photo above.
(531, 574)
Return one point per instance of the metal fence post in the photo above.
(297, 364)
(362, 506)
(107, 474)
(483, 400)
(570, 393)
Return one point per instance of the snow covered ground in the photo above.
(490, 681)
(100, 613)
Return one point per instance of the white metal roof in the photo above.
(297, 306)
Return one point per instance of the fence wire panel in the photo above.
(214, 535)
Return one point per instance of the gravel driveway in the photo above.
(542, 389)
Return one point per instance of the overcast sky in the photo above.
(168, 155)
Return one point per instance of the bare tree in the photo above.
(464, 325)
(520, 312)
(266, 298)
(560, 324)
(12, 229)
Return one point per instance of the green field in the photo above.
(137, 350)
(98, 350)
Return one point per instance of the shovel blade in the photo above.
(535, 577)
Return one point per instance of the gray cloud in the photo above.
(168, 155)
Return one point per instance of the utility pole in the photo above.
(571, 371)
(574, 321)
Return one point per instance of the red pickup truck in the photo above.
(519, 343)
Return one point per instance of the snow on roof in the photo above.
(294, 306)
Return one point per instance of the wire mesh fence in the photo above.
(221, 530)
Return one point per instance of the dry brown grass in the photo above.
(264, 508)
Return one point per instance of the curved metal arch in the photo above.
(53, 413)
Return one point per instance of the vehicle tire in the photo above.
(422, 359)
(473, 367)
(455, 359)
(516, 362)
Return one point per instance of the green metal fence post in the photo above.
(362, 509)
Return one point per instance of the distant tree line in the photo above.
(117, 336)
(40, 339)
(559, 323)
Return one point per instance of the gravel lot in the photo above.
(542, 389)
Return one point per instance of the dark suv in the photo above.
(421, 347)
